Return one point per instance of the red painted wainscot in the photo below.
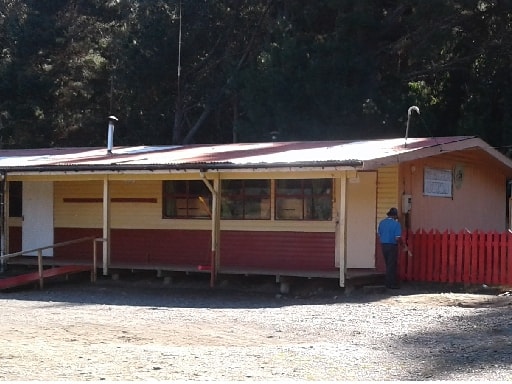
(132, 248)
(281, 251)
(240, 251)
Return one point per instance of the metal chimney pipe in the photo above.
(409, 111)
(110, 137)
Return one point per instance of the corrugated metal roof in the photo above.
(362, 154)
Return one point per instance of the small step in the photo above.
(374, 289)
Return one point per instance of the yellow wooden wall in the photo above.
(387, 190)
(78, 214)
(361, 207)
(74, 207)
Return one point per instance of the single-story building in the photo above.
(306, 209)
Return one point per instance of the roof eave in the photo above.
(466, 143)
(194, 167)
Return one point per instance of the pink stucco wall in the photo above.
(479, 203)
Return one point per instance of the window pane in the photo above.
(186, 199)
(257, 208)
(15, 199)
(175, 187)
(321, 208)
(170, 208)
(231, 204)
(199, 207)
(321, 186)
(198, 188)
(257, 188)
(289, 209)
(309, 199)
(231, 187)
(257, 199)
(231, 208)
(308, 187)
(198, 199)
(289, 200)
(289, 187)
(321, 203)
(245, 199)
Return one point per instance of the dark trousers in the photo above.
(390, 252)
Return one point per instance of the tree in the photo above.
(54, 77)
(221, 70)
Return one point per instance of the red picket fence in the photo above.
(457, 257)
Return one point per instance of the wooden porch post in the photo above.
(216, 227)
(5, 221)
(40, 267)
(215, 217)
(341, 229)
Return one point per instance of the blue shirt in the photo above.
(389, 231)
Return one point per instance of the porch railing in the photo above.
(40, 250)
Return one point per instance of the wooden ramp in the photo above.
(27, 278)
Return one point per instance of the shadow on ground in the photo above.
(477, 344)
(145, 288)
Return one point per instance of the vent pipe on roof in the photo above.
(110, 137)
(409, 111)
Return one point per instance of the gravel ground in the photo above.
(142, 329)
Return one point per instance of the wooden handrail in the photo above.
(96, 240)
(61, 244)
(21, 253)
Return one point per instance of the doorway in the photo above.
(37, 218)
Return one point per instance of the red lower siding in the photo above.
(160, 247)
(271, 251)
(75, 252)
(297, 251)
(139, 246)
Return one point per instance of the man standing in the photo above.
(389, 232)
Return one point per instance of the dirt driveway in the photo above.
(140, 330)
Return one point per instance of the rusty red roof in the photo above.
(358, 154)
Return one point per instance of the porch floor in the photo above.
(353, 276)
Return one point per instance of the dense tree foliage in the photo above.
(248, 70)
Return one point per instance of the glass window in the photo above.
(186, 199)
(309, 199)
(15, 199)
(245, 199)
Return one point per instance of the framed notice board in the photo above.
(437, 182)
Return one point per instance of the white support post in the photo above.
(106, 226)
(94, 261)
(216, 223)
(341, 229)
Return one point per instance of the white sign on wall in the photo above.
(437, 182)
